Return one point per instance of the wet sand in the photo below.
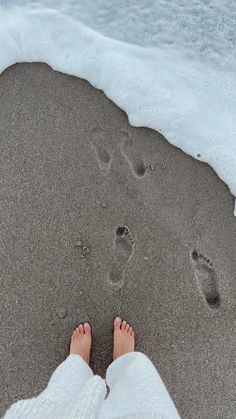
(73, 174)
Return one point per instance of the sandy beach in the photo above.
(75, 176)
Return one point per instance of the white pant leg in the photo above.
(136, 389)
(68, 379)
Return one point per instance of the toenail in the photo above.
(86, 324)
(118, 319)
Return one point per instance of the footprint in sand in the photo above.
(102, 155)
(123, 251)
(138, 166)
(206, 277)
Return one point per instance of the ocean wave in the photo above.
(170, 67)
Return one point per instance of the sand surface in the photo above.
(72, 172)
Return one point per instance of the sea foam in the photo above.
(170, 65)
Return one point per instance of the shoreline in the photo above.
(73, 171)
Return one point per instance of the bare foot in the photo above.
(123, 338)
(81, 341)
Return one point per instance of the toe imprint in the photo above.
(206, 279)
(123, 251)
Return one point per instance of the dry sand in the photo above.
(72, 171)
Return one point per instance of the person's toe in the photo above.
(127, 327)
(81, 329)
(130, 330)
(87, 328)
(117, 323)
(77, 332)
(123, 325)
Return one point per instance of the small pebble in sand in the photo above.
(62, 312)
(104, 205)
(86, 250)
(78, 243)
